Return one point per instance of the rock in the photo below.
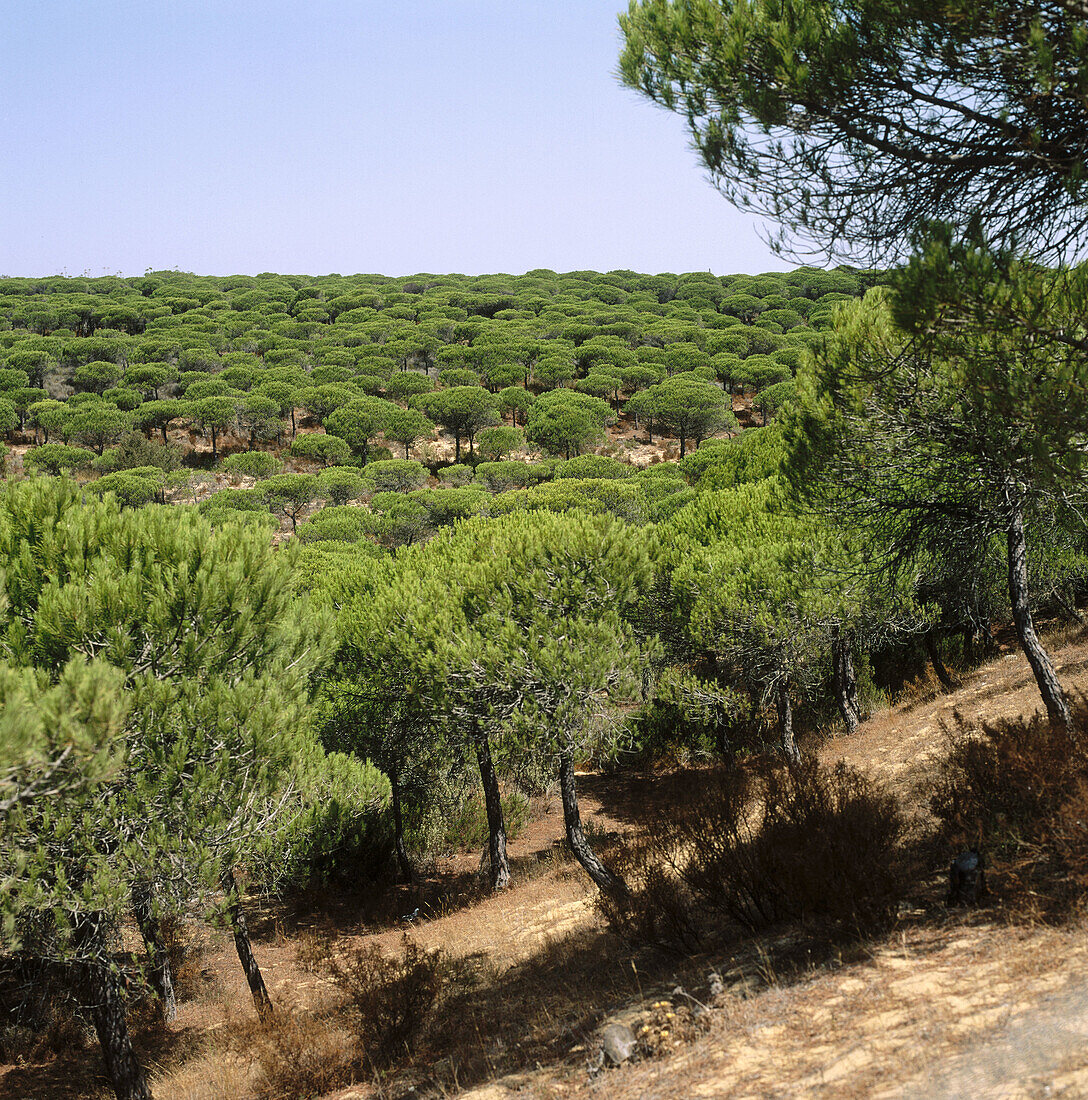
(618, 1043)
(966, 878)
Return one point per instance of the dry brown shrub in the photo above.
(762, 844)
(390, 998)
(1019, 790)
(187, 949)
(297, 1055)
(38, 1015)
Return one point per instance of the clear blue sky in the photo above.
(226, 136)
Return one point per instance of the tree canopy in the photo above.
(849, 122)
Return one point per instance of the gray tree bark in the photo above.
(162, 978)
(405, 864)
(785, 717)
(261, 1000)
(845, 680)
(1046, 677)
(943, 676)
(102, 998)
(496, 824)
(607, 880)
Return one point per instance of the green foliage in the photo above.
(498, 477)
(405, 426)
(395, 475)
(330, 450)
(134, 451)
(788, 102)
(255, 464)
(340, 484)
(690, 407)
(211, 651)
(456, 475)
(336, 524)
(133, 487)
(566, 423)
(593, 466)
(463, 410)
(358, 421)
(341, 831)
(290, 494)
(52, 458)
(495, 444)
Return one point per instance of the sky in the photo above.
(397, 137)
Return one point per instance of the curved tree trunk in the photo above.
(785, 717)
(1046, 676)
(496, 825)
(162, 979)
(576, 838)
(261, 1000)
(946, 681)
(102, 998)
(405, 864)
(845, 680)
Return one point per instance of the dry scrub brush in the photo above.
(759, 844)
(1019, 790)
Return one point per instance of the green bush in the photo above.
(132, 488)
(336, 524)
(498, 477)
(396, 475)
(328, 449)
(343, 832)
(456, 476)
(52, 458)
(596, 466)
(137, 450)
(257, 464)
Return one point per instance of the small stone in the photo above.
(618, 1043)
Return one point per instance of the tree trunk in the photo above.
(947, 683)
(845, 680)
(576, 838)
(405, 864)
(1045, 675)
(261, 1000)
(496, 826)
(683, 442)
(456, 447)
(162, 979)
(785, 717)
(103, 999)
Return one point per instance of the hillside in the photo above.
(281, 389)
(949, 1002)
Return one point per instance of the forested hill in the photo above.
(424, 368)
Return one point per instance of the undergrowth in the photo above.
(758, 844)
(1018, 790)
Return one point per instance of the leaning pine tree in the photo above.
(951, 411)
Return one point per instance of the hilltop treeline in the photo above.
(202, 366)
